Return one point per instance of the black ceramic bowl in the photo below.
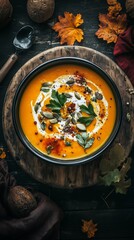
(59, 61)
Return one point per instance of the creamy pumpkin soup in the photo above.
(67, 111)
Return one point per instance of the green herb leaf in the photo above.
(59, 98)
(89, 143)
(89, 110)
(57, 101)
(84, 109)
(62, 99)
(85, 135)
(84, 140)
(86, 120)
(80, 140)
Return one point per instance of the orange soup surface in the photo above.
(67, 111)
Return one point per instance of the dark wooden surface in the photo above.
(114, 213)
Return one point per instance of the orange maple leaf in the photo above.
(111, 28)
(113, 23)
(2, 153)
(67, 28)
(111, 2)
(114, 10)
(89, 227)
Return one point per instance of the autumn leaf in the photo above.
(113, 11)
(67, 28)
(89, 227)
(111, 2)
(111, 28)
(112, 24)
(123, 185)
(114, 169)
(2, 153)
(115, 158)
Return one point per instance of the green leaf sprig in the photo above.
(57, 101)
(90, 111)
(84, 140)
(114, 169)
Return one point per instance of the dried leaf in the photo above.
(2, 153)
(111, 2)
(111, 177)
(113, 11)
(89, 227)
(67, 28)
(114, 169)
(117, 155)
(115, 158)
(113, 23)
(123, 185)
(110, 28)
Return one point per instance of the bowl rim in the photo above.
(42, 67)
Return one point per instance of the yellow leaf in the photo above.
(113, 23)
(67, 28)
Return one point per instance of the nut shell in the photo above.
(40, 10)
(6, 10)
(21, 201)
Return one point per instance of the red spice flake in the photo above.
(69, 129)
(102, 115)
(35, 122)
(54, 145)
(36, 133)
(50, 127)
(80, 78)
(71, 108)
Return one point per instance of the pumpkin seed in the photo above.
(79, 115)
(54, 120)
(98, 96)
(67, 122)
(36, 107)
(88, 89)
(68, 95)
(67, 143)
(43, 89)
(48, 114)
(74, 121)
(70, 82)
(77, 95)
(81, 127)
(47, 84)
(56, 115)
(43, 126)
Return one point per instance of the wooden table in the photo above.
(114, 214)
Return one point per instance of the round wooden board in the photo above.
(67, 176)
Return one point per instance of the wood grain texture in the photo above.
(67, 176)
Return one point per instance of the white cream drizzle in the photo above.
(43, 96)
